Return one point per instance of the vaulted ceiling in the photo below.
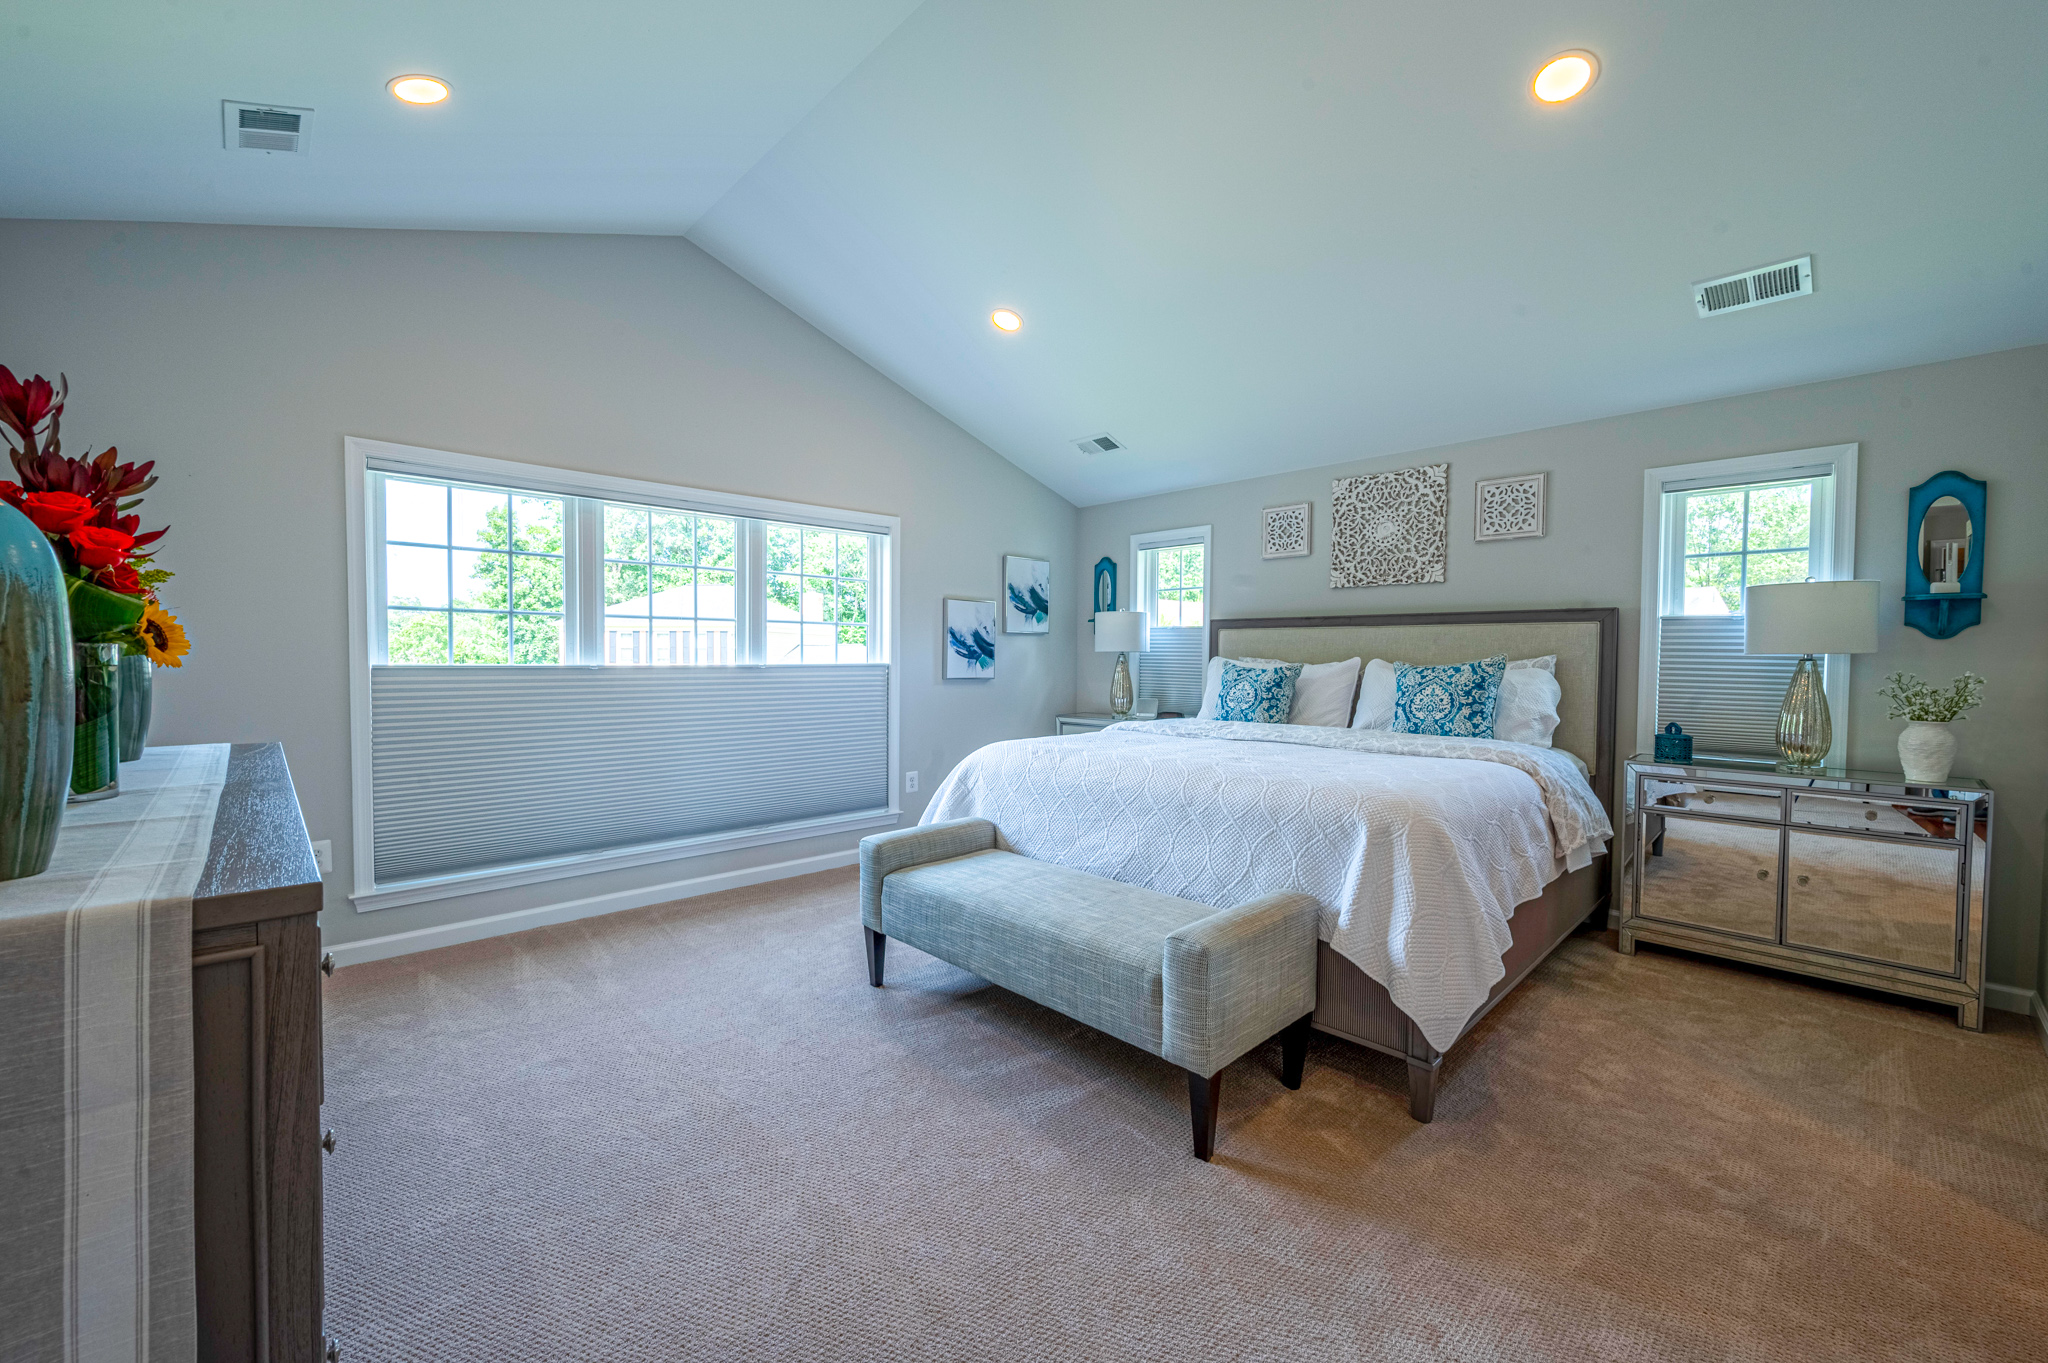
(1243, 237)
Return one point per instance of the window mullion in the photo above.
(583, 581)
(750, 597)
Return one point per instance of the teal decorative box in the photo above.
(1674, 745)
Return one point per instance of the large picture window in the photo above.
(557, 673)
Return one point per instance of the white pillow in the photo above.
(1376, 696)
(1525, 713)
(1322, 693)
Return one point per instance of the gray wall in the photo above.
(239, 357)
(1987, 416)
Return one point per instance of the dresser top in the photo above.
(1766, 772)
(259, 864)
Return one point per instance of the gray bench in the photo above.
(1193, 984)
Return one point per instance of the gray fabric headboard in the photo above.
(1586, 643)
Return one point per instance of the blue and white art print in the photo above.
(970, 639)
(1027, 595)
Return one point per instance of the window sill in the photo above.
(465, 883)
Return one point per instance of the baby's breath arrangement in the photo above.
(1914, 699)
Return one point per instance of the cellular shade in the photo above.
(1811, 617)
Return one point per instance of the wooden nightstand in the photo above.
(1849, 875)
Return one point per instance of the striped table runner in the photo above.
(96, 1073)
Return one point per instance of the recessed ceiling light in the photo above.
(419, 89)
(1005, 320)
(1565, 75)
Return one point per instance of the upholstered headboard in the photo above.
(1586, 643)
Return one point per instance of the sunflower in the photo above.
(163, 638)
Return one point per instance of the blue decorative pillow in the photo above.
(1257, 695)
(1449, 702)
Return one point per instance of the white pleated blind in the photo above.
(476, 768)
(1726, 699)
(1171, 668)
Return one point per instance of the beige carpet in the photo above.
(693, 1132)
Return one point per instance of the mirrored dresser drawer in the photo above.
(1853, 876)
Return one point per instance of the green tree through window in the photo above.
(1737, 538)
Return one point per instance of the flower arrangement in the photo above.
(1916, 700)
(84, 506)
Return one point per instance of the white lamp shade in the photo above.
(1122, 632)
(1811, 617)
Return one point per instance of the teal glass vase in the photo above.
(96, 733)
(35, 697)
(137, 677)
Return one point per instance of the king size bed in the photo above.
(1446, 869)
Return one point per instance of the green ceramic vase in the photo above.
(35, 697)
(96, 735)
(137, 677)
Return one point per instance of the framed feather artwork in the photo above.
(1027, 595)
(970, 639)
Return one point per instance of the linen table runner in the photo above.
(96, 1073)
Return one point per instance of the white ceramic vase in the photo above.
(1926, 751)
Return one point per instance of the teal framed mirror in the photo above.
(1945, 554)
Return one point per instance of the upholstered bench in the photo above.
(1195, 985)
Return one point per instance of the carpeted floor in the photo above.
(693, 1132)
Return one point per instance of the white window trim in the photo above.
(365, 526)
(1839, 460)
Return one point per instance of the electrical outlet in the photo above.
(910, 783)
(323, 856)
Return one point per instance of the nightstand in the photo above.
(1853, 876)
(1083, 724)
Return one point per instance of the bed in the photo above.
(1447, 869)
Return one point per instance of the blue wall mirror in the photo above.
(1945, 555)
(1105, 584)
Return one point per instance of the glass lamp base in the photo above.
(1120, 701)
(1805, 730)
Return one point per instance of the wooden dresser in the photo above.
(256, 974)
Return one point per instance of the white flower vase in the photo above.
(1926, 751)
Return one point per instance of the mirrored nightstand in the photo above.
(1853, 876)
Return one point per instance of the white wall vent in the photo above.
(1098, 444)
(268, 128)
(1754, 288)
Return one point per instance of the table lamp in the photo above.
(1809, 618)
(1122, 633)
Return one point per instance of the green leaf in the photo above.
(98, 615)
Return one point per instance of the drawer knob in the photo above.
(1710, 799)
(1763, 875)
(1802, 880)
(327, 1140)
(1870, 814)
(327, 963)
(331, 1352)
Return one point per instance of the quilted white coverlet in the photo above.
(1417, 848)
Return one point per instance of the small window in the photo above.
(1178, 586)
(819, 585)
(670, 595)
(1741, 537)
(471, 575)
(1172, 588)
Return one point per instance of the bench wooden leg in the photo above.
(1294, 1051)
(878, 945)
(1205, 1097)
(1422, 1090)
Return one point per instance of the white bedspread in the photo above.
(1417, 848)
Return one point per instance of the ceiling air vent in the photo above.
(1099, 444)
(263, 127)
(1754, 288)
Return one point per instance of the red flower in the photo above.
(24, 405)
(56, 513)
(99, 547)
(122, 578)
(10, 493)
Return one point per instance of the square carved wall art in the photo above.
(1287, 530)
(1390, 528)
(1509, 508)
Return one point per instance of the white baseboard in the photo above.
(2010, 998)
(544, 915)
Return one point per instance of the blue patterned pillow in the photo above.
(1258, 695)
(1449, 702)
